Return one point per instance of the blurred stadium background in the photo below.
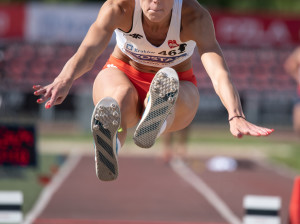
(38, 37)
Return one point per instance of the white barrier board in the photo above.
(11, 207)
(261, 209)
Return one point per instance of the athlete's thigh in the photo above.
(112, 82)
(186, 105)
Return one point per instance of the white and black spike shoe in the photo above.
(163, 92)
(105, 122)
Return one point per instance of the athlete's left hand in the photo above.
(240, 127)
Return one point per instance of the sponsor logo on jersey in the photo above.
(172, 43)
(136, 36)
(130, 47)
(152, 59)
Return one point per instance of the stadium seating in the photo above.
(256, 69)
(266, 91)
(24, 64)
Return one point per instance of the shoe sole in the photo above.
(105, 123)
(163, 91)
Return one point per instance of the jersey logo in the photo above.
(172, 43)
(136, 36)
(152, 59)
(182, 47)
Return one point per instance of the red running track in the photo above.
(150, 192)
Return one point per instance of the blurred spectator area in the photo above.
(24, 65)
(253, 69)
(258, 74)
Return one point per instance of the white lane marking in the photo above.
(53, 186)
(199, 185)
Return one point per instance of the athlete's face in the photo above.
(156, 10)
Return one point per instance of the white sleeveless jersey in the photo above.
(136, 46)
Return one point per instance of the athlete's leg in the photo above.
(171, 105)
(186, 107)
(162, 96)
(182, 142)
(116, 102)
(114, 83)
(167, 140)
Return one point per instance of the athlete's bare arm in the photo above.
(113, 14)
(198, 26)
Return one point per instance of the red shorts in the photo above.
(142, 80)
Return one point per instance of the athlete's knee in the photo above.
(128, 99)
(126, 94)
(194, 101)
(190, 102)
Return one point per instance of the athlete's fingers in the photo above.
(52, 101)
(254, 131)
(36, 87)
(46, 95)
(245, 129)
(239, 135)
(42, 99)
(235, 132)
(264, 131)
(250, 132)
(249, 129)
(259, 131)
(55, 99)
(40, 92)
(48, 105)
(269, 131)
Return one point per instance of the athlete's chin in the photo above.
(155, 18)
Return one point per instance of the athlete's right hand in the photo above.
(53, 94)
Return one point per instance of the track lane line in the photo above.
(52, 187)
(199, 185)
(85, 221)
